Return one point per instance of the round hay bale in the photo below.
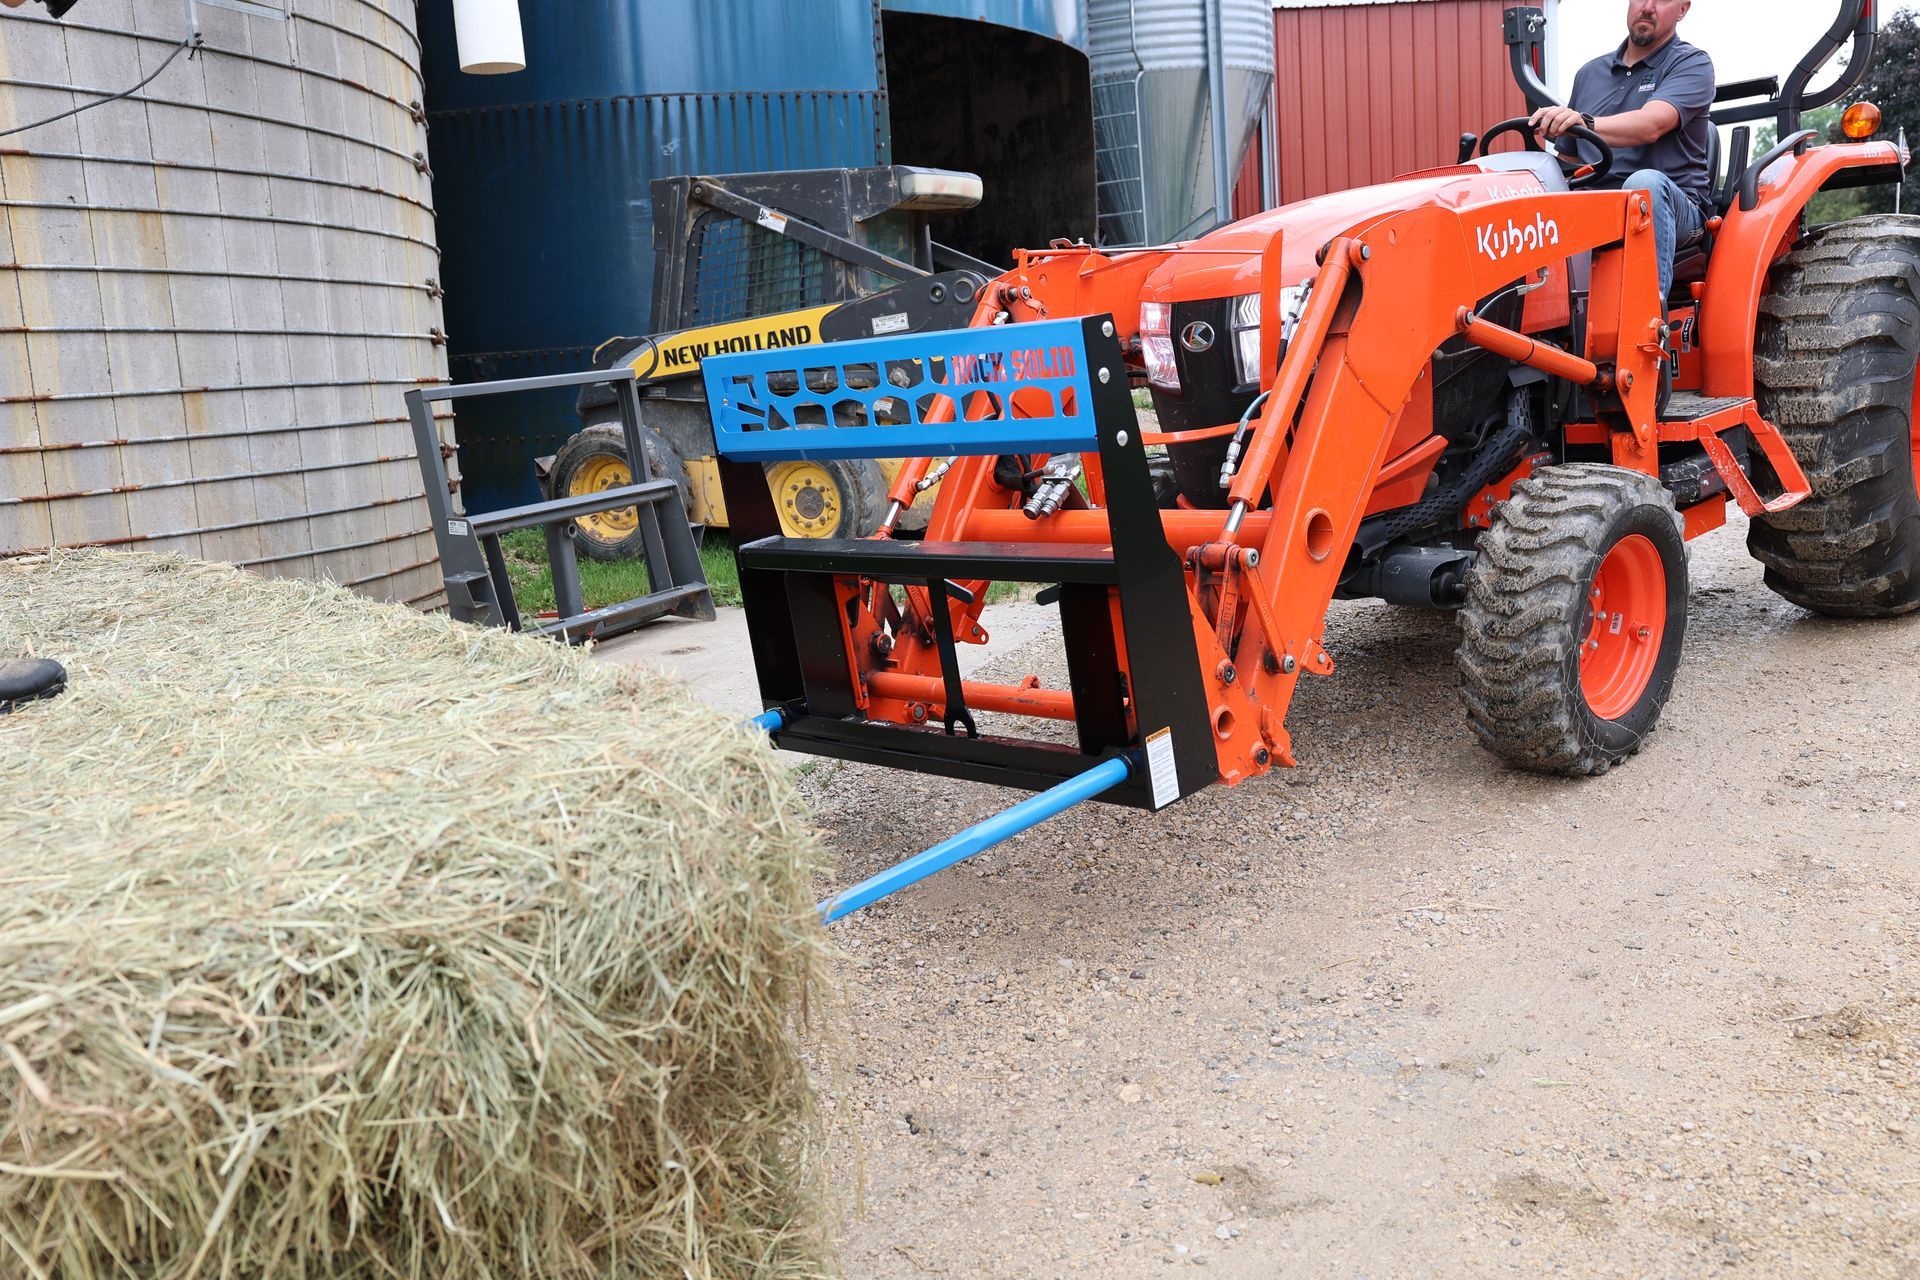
(341, 941)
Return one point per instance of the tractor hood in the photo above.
(1226, 263)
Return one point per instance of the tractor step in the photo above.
(884, 560)
(1690, 406)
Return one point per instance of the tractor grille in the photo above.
(739, 270)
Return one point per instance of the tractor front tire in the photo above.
(1835, 354)
(595, 458)
(1576, 611)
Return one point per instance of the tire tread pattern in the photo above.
(1835, 354)
(1523, 619)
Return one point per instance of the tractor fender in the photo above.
(1749, 243)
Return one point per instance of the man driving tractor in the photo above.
(1651, 100)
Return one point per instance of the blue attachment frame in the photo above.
(980, 837)
(1045, 361)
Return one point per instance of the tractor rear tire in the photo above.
(1835, 354)
(1576, 611)
(595, 458)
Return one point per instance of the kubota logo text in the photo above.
(1503, 242)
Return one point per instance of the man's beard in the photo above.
(1642, 41)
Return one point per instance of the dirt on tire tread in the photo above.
(1530, 576)
(1835, 354)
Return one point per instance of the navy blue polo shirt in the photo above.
(1676, 73)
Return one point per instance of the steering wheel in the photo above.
(1579, 174)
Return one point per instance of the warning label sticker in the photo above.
(1160, 767)
(772, 221)
(890, 324)
(457, 528)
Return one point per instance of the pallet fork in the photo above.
(473, 564)
(1052, 387)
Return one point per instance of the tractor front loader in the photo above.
(1459, 390)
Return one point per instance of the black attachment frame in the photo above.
(801, 632)
(474, 566)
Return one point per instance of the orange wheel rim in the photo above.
(1626, 621)
(1913, 430)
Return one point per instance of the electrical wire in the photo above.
(190, 42)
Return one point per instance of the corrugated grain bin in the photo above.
(1153, 110)
(214, 292)
(1369, 90)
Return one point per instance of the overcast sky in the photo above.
(1747, 38)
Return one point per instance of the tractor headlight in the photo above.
(1156, 344)
(1246, 329)
(1246, 338)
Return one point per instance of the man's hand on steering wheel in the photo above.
(1557, 122)
(1551, 123)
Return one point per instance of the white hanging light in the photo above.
(489, 36)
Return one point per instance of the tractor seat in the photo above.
(1690, 264)
(1690, 255)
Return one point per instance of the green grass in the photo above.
(605, 582)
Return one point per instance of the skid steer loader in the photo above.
(1458, 390)
(759, 261)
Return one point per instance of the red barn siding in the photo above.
(1368, 91)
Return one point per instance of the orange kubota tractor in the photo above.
(1457, 390)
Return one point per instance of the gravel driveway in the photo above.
(1402, 1013)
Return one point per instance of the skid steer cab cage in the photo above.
(1041, 388)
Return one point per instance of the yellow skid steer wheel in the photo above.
(831, 499)
(596, 459)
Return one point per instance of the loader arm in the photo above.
(1409, 278)
(1254, 583)
(1388, 293)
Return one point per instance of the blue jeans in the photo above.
(1675, 217)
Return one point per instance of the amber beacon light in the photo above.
(1861, 121)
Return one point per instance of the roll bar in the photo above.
(1857, 22)
(1525, 27)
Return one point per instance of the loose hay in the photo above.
(337, 941)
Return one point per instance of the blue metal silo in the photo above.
(541, 176)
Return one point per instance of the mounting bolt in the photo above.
(1106, 375)
(1225, 673)
(1120, 438)
(1645, 633)
(1106, 327)
(917, 712)
(1252, 558)
(1288, 666)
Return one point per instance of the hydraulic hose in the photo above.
(1488, 465)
